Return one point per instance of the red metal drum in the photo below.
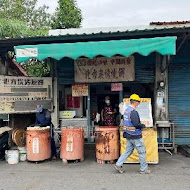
(38, 145)
(107, 143)
(72, 144)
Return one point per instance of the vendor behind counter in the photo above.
(108, 113)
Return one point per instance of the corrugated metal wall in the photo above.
(144, 69)
(66, 71)
(179, 96)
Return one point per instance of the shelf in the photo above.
(165, 143)
(166, 139)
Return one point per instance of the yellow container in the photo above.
(151, 144)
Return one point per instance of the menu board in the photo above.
(144, 110)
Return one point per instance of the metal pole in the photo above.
(167, 89)
(157, 66)
(53, 73)
(88, 116)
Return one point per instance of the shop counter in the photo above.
(150, 140)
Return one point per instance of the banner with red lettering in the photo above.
(79, 90)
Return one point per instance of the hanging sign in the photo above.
(144, 109)
(21, 94)
(27, 52)
(103, 69)
(116, 87)
(79, 90)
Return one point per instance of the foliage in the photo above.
(67, 15)
(10, 28)
(21, 18)
(26, 11)
(35, 68)
(39, 18)
(37, 32)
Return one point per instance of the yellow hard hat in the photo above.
(135, 97)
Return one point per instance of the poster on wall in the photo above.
(103, 69)
(73, 102)
(76, 101)
(22, 94)
(79, 90)
(69, 101)
(144, 110)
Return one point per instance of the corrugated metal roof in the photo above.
(93, 34)
(170, 23)
(107, 30)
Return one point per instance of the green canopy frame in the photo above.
(143, 46)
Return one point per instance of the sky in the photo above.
(111, 13)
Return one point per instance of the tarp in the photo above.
(143, 46)
(151, 144)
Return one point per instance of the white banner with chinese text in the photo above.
(103, 69)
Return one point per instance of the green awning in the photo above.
(143, 46)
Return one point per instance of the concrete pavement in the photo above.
(172, 173)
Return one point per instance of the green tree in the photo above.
(26, 11)
(21, 18)
(39, 18)
(67, 15)
(11, 28)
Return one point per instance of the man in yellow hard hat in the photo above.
(133, 133)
